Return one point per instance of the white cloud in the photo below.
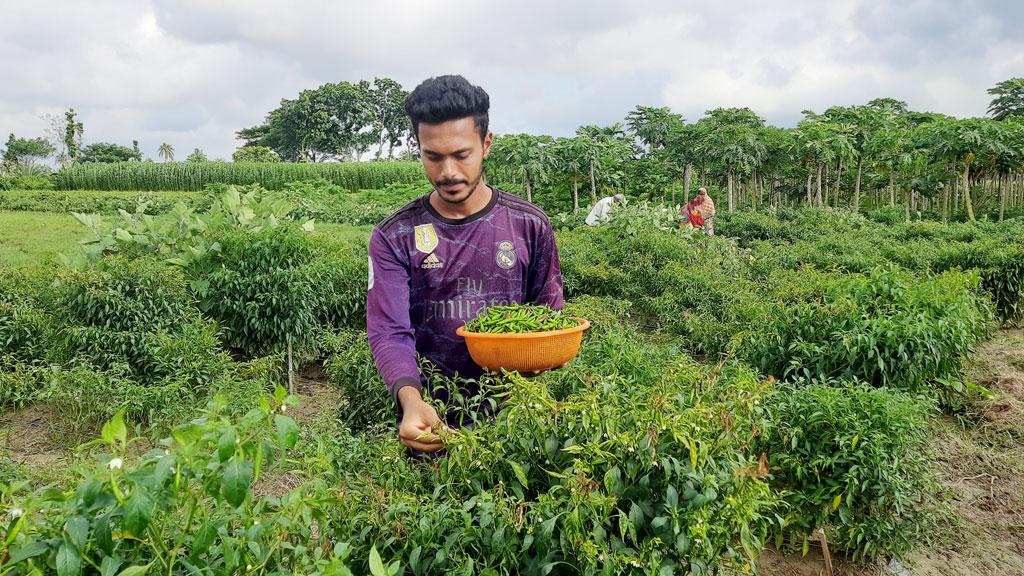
(193, 72)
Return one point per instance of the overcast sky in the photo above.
(193, 72)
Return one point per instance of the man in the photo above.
(602, 211)
(446, 256)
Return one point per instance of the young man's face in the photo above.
(453, 156)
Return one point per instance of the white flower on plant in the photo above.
(15, 512)
(116, 463)
(284, 408)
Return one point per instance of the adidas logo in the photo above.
(431, 262)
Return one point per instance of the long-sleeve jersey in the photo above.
(429, 274)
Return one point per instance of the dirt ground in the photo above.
(982, 471)
(26, 438)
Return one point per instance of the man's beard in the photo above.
(458, 197)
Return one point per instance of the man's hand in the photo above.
(419, 420)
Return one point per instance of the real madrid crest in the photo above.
(426, 238)
(506, 256)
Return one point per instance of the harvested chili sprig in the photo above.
(519, 318)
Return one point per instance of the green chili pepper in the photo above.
(519, 318)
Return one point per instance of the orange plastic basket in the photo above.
(525, 352)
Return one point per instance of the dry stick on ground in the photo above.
(825, 551)
(291, 384)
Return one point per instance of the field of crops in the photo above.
(778, 385)
(193, 176)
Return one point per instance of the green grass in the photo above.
(346, 232)
(33, 237)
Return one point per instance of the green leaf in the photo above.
(135, 570)
(226, 445)
(203, 539)
(83, 219)
(109, 565)
(138, 511)
(682, 544)
(308, 225)
(235, 485)
(77, 529)
(520, 475)
(613, 480)
(102, 535)
(69, 563)
(22, 553)
(671, 497)
(287, 431)
(376, 565)
(115, 429)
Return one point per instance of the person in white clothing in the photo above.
(602, 211)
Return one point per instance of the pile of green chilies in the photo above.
(520, 318)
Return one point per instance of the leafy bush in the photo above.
(26, 332)
(326, 202)
(886, 328)
(367, 403)
(259, 289)
(888, 215)
(128, 516)
(614, 478)
(20, 384)
(854, 461)
(90, 201)
(26, 182)
(134, 318)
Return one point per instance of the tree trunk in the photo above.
(760, 191)
(839, 175)
(809, 201)
(828, 189)
(1003, 181)
(856, 190)
(730, 188)
(967, 193)
(945, 202)
(593, 183)
(687, 176)
(529, 193)
(818, 199)
(892, 188)
(575, 194)
(956, 198)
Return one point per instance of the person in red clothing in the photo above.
(700, 212)
(445, 257)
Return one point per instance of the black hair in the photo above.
(446, 98)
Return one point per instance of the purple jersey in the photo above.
(430, 274)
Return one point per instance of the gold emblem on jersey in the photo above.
(426, 238)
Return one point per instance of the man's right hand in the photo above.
(419, 420)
